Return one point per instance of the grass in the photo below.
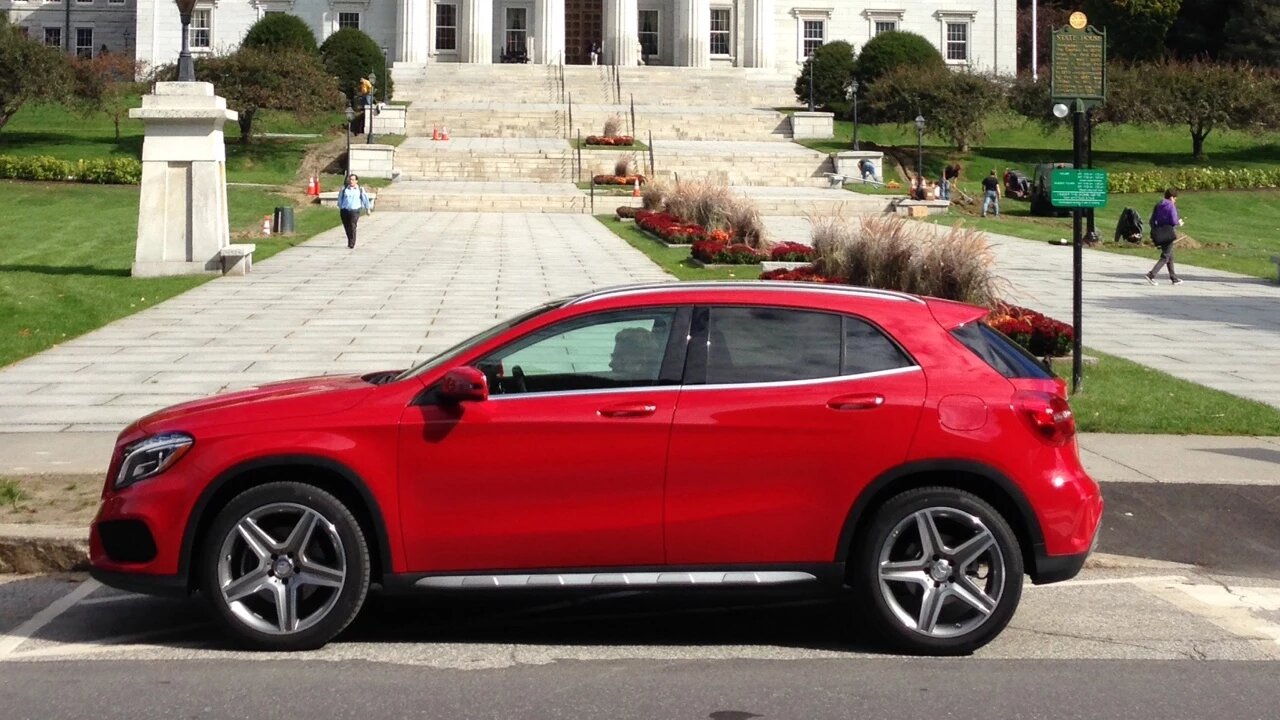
(1237, 229)
(1119, 396)
(70, 273)
(11, 493)
(606, 190)
(674, 260)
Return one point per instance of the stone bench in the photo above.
(1276, 259)
(237, 259)
(836, 180)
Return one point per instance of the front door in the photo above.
(563, 466)
(583, 29)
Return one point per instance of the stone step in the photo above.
(415, 195)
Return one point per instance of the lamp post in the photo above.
(186, 68)
(919, 148)
(351, 117)
(853, 93)
(368, 106)
(811, 64)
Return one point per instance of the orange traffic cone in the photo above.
(435, 132)
(266, 224)
(635, 189)
(444, 132)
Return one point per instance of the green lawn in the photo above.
(67, 272)
(674, 260)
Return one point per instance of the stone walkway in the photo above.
(417, 283)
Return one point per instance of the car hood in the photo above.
(274, 401)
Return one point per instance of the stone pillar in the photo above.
(760, 34)
(693, 33)
(477, 31)
(412, 43)
(182, 210)
(549, 49)
(622, 31)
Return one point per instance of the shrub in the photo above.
(791, 252)
(701, 202)
(744, 221)
(612, 126)
(832, 67)
(653, 196)
(891, 50)
(1039, 334)
(622, 167)
(1195, 178)
(625, 212)
(105, 171)
(280, 31)
(957, 103)
(720, 252)
(349, 55)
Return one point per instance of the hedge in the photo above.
(103, 171)
(1194, 179)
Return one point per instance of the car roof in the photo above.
(690, 291)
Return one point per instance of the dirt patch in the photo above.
(65, 500)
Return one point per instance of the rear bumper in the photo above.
(1056, 568)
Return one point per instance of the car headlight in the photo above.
(151, 456)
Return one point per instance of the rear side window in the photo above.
(1004, 355)
(867, 350)
(759, 345)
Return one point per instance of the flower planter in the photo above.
(618, 179)
(615, 141)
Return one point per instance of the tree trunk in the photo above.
(246, 125)
(1197, 143)
(116, 119)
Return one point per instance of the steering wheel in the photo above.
(517, 374)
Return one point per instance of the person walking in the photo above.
(990, 193)
(351, 200)
(1164, 232)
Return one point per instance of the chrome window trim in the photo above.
(766, 285)
(808, 381)
(593, 391)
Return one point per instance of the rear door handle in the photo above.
(626, 410)
(862, 401)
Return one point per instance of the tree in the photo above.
(106, 84)
(832, 68)
(349, 54)
(1049, 17)
(1199, 31)
(955, 104)
(1252, 34)
(890, 50)
(253, 80)
(1136, 29)
(32, 72)
(280, 31)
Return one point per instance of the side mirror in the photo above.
(463, 384)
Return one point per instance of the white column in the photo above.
(621, 31)
(760, 34)
(412, 43)
(693, 33)
(550, 45)
(477, 31)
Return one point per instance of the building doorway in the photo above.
(583, 29)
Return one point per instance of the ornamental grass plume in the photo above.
(612, 126)
(653, 194)
(622, 168)
(744, 221)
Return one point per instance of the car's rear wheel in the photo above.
(940, 570)
(285, 566)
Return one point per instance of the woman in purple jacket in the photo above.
(1164, 231)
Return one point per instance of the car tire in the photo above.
(939, 570)
(285, 567)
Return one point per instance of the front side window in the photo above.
(598, 352)
(201, 27)
(84, 43)
(349, 20)
(814, 36)
(447, 27)
(53, 37)
(721, 23)
(649, 32)
(759, 345)
(958, 41)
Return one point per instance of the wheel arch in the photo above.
(982, 480)
(321, 472)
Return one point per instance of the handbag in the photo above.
(1163, 234)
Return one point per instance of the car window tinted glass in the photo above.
(1004, 355)
(867, 349)
(597, 352)
(447, 355)
(754, 345)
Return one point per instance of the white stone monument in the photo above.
(182, 213)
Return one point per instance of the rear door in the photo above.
(785, 416)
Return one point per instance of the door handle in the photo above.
(862, 401)
(626, 410)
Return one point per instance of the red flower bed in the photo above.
(791, 252)
(803, 274)
(617, 179)
(669, 227)
(721, 252)
(1038, 333)
(616, 140)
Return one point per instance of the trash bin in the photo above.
(282, 221)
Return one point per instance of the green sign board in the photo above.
(1078, 188)
(1079, 66)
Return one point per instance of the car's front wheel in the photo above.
(940, 570)
(285, 566)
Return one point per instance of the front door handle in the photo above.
(861, 401)
(626, 410)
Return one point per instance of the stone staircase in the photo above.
(485, 159)
(452, 196)
(742, 163)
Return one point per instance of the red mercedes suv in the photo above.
(887, 448)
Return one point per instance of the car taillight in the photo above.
(1049, 415)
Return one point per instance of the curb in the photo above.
(31, 550)
(1107, 561)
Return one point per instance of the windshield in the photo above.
(436, 361)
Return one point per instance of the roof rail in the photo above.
(766, 285)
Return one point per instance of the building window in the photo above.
(53, 36)
(84, 2)
(447, 27)
(814, 36)
(958, 42)
(201, 24)
(649, 33)
(349, 20)
(115, 2)
(84, 43)
(884, 26)
(721, 31)
(517, 31)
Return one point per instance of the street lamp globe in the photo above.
(1061, 111)
(920, 123)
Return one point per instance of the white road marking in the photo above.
(109, 599)
(119, 642)
(11, 640)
